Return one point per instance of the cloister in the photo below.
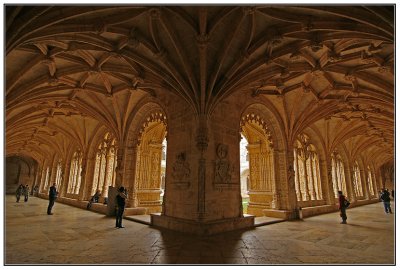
(158, 98)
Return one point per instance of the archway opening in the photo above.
(307, 173)
(163, 167)
(260, 179)
(151, 164)
(105, 166)
(244, 173)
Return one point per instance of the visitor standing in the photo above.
(53, 193)
(343, 204)
(122, 195)
(19, 192)
(26, 193)
(385, 198)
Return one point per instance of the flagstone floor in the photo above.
(77, 236)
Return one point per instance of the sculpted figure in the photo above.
(180, 169)
(222, 166)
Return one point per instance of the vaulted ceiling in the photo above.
(72, 70)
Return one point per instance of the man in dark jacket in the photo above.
(52, 198)
(19, 192)
(342, 207)
(385, 198)
(122, 195)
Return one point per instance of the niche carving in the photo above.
(181, 172)
(223, 168)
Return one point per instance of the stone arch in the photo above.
(264, 122)
(73, 168)
(324, 163)
(345, 159)
(143, 154)
(306, 165)
(363, 174)
(89, 161)
(103, 163)
(269, 119)
(19, 170)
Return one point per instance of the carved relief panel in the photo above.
(181, 172)
(223, 169)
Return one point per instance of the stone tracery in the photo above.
(307, 168)
(105, 165)
(338, 176)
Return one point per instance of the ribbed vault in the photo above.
(73, 69)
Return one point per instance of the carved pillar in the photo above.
(115, 163)
(328, 190)
(303, 162)
(256, 204)
(101, 175)
(66, 179)
(299, 194)
(149, 188)
(201, 144)
(38, 177)
(120, 168)
(311, 177)
(87, 183)
(105, 182)
(375, 183)
(83, 179)
(292, 197)
(43, 178)
(364, 185)
(132, 171)
(317, 175)
(349, 174)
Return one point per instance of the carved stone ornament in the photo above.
(181, 171)
(223, 169)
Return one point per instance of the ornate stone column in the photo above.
(201, 144)
(364, 184)
(375, 183)
(83, 179)
(149, 191)
(105, 183)
(291, 174)
(65, 180)
(87, 179)
(297, 176)
(349, 174)
(131, 182)
(328, 191)
(303, 157)
(259, 198)
(42, 178)
(312, 176)
(120, 168)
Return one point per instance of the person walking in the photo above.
(26, 193)
(19, 192)
(53, 194)
(343, 204)
(121, 197)
(385, 198)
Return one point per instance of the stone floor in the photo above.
(77, 236)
